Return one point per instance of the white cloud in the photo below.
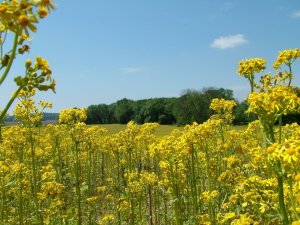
(296, 14)
(230, 41)
(131, 69)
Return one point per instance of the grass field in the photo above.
(161, 130)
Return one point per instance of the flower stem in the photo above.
(12, 99)
(282, 208)
(11, 59)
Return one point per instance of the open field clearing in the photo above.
(137, 173)
(161, 130)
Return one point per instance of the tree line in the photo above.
(192, 105)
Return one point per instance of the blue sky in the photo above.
(101, 51)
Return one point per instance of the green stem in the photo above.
(132, 216)
(291, 76)
(119, 189)
(165, 209)
(282, 208)
(150, 205)
(293, 199)
(89, 181)
(251, 80)
(211, 217)
(2, 201)
(280, 129)
(34, 169)
(21, 206)
(11, 59)
(12, 99)
(157, 207)
(194, 184)
(77, 183)
(178, 217)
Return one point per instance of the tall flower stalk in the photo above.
(273, 100)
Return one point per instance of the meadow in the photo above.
(161, 130)
(210, 173)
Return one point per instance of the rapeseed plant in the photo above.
(207, 173)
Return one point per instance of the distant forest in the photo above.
(192, 105)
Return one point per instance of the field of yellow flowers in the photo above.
(207, 173)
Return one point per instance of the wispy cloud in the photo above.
(296, 14)
(131, 70)
(230, 41)
(227, 6)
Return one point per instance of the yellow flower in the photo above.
(3, 8)
(49, 4)
(92, 200)
(248, 67)
(26, 22)
(43, 12)
(286, 57)
(72, 116)
(297, 177)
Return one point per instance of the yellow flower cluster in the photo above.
(72, 116)
(36, 76)
(288, 153)
(277, 101)
(222, 105)
(20, 16)
(26, 112)
(199, 175)
(45, 104)
(223, 109)
(248, 67)
(286, 57)
(209, 196)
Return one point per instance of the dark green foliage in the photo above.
(292, 118)
(99, 114)
(189, 107)
(240, 115)
(123, 111)
(193, 106)
(155, 110)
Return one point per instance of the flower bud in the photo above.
(28, 63)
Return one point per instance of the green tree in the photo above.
(156, 110)
(240, 115)
(124, 111)
(99, 114)
(191, 106)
